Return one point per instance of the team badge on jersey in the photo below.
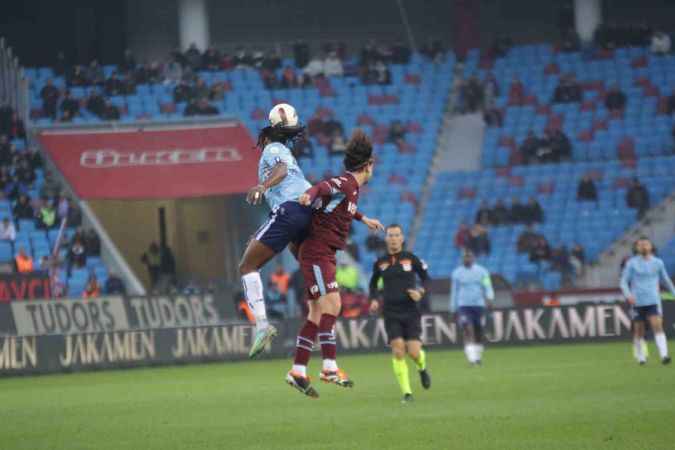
(406, 264)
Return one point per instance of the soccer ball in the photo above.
(283, 115)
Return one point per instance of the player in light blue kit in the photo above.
(640, 286)
(281, 183)
(471, 287)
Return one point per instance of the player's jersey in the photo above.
(470, 287)
(334, 202)
(398, 274)
(292, 186)
(640, 279)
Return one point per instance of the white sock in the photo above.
(330, 364)
(470, 352)
(661, 344)
(253, 290)
(637, 350)
(479, 351)
(302, 370)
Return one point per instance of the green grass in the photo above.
(555, 397)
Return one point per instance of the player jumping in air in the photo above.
(640, 286)
(334, 202)
(281, 182)
(471, 287)
(401, 297)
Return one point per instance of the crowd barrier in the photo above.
(47, 336)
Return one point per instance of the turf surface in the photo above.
(554, 397)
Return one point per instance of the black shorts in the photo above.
(643, 313)
(408, 327)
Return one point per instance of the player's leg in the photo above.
(297, 376)
(419, 357)
(656, 322)
(478, 327)
(394, 330)
(255, 256)
(639, 341)
(330, 309)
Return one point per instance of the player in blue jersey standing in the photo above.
(280, 182)
(640, 285)
(471, 287)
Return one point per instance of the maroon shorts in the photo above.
(318, 264)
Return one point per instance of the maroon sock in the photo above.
(327, 336)
(304, 343)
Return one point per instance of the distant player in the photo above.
(640, 286)
(334, 202)
(398, 271)
(281, 182)
(471, 287)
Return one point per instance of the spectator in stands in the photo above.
(66, 117)
(660, 44)
(397, 132)
(211, 59)
(62, 207)
(95, 102)
(516, 92)
(25, 173)
(288, 78)
(382, 74)
(275, 302)
(615, 100)
(33, 157)
(74, 216)
(333, 65)
(529, 148)
(570, 41)
(540, 251)
(568, 90)
(193, 57)
(637, 197)
(301, 54)
(493, 117)
(92, 242)
(490, 90)
(200, 90)
(434, 50)
(315, 68)
(173, 72)
(338, 143)
(152, 260)
(15, 127)
(7, 231)
(527, 240)
(281, 280)
(462, 235)
(561, 262)
(167, 265)
(242, 58)
(484, 214)
(69, 105)
(500, 215)
(473, 94)
(92, 289)
(347, 276)
(501, 46)
(50, 98)
(77, 255)
(128, 62)
(201, 107)
(113, 85)
(586, 191)
(95, 73)
(114, 285)
(23, 210)
(50, 187)
(23, 262)
(578, 259)
(269, 79)
(400, 53)
(183, 92)
(78, 77)
(533, 212)
(47, 215)
(479, 241)
(561, 147)
(60, 64)
(14, 188)
(110, 111)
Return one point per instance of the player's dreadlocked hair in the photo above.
(281, 134)
(359, 151)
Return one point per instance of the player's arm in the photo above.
(666, 279)
(625, 283)
(276, 176)
(420, 268)
(373, 288)
(488, 291)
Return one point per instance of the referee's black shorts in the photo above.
(408, 326)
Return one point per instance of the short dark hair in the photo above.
(394, 225)
(359, 151)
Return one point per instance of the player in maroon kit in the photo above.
(334, 202)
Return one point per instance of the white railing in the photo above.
(13, 82)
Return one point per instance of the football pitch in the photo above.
(591, 396)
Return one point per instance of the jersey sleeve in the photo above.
(374, 280)
(454, 292)
(666, 279)
(626, 279)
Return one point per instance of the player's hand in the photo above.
(631, 300)
(255, 195)
(305, 200)
(415, 295)
(373, 224)
(374, 306)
